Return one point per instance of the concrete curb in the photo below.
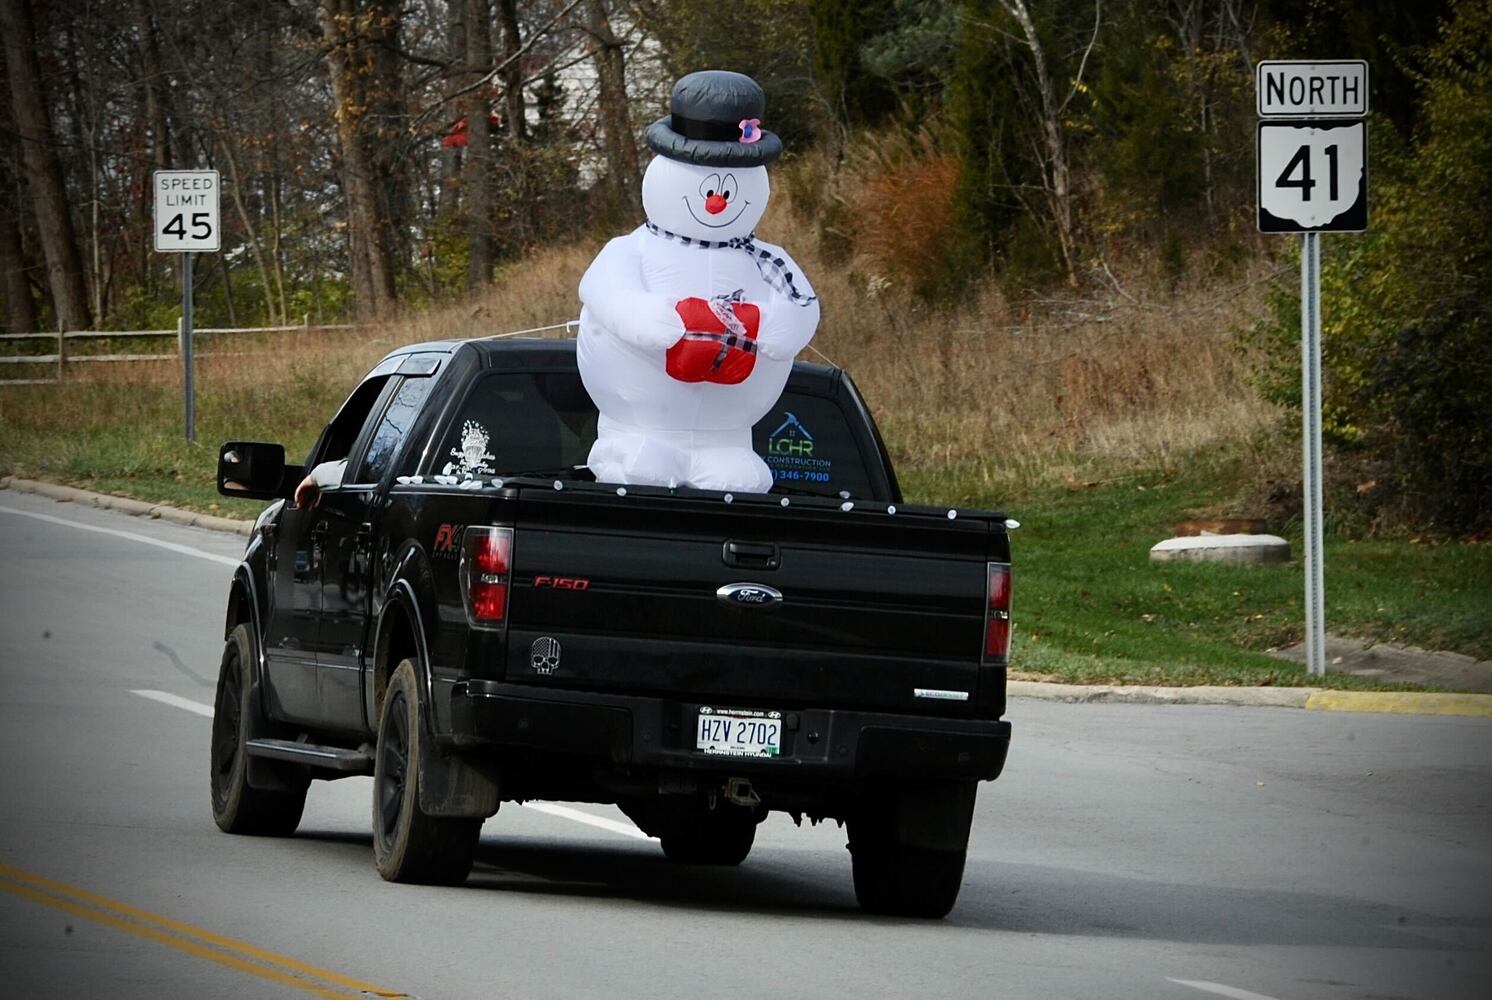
(136, 508)
(1315, 699)
(1270, 697)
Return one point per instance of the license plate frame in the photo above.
(738, 732)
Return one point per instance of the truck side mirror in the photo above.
(254, 470)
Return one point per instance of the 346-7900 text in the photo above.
(795, 474)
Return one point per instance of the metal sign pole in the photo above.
(186, 346)
(1310, 380)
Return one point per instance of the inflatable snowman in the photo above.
(689, 325)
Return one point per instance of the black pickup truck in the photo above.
(468, 617)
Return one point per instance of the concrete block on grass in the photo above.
(1222, 548)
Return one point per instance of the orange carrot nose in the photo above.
(715, 204)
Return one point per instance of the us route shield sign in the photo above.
(1313, 175)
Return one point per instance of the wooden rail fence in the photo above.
(60, 357)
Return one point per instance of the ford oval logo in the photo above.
(749, 595)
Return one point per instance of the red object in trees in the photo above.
(698, 358)
(456, 137)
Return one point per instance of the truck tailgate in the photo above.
(874, 606)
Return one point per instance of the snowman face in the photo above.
(707, 203)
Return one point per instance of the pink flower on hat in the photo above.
(751, 130)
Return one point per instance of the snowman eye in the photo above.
(709, 186)
(728, 185)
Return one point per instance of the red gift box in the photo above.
(709, 352)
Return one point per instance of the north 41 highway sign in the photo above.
(1313, 176)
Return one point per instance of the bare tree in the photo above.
(20, 310)
(43, 169)
(623, 173)
(477, 182)
(1053, 153)
(353, 32)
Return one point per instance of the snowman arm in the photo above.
(787, 326)
(613, 291)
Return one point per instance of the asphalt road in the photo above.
(1129, 851)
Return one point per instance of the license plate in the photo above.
(736, 732)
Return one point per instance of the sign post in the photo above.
(1312, 179)
(186, 222)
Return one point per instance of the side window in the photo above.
(341, 434)
(401, 412)
(513, 422)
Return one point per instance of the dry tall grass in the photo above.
(1000, 394)
(1051, 390)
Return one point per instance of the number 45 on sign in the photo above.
(1313, 176)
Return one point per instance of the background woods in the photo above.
(963, 174)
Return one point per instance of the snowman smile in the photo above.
(715, 225)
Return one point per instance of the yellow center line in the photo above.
(173, 933)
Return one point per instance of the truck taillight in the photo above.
(997, 611)
(486, 562)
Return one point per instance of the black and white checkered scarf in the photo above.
(773, 269)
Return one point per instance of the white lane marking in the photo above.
(185, 550)
(565, 812)
(1223, 991)
(550, 808)
(176, 701)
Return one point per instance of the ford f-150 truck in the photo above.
(465, 615)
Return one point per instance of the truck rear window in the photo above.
(512, 422)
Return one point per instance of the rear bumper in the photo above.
(817, 744)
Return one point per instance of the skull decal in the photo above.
(544, 655)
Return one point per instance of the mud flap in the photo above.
(454, 785)
(934, 817)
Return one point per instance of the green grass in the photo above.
(1090, 607)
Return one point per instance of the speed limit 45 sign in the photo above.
(186, 211)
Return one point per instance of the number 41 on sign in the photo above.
(1313, 176)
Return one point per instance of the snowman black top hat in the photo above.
(716, 122)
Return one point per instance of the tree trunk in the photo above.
(20, 309)
(478, 180)
(515, 110)
(154, 91)
(256, 246)
(347, 26)
(1059, 184)
(43, 169)
(450, 156)
(155, 79)
(623, 173)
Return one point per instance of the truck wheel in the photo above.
(409, 846)
(908, 851)
(720, 836)
(236, 806)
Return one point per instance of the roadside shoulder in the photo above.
(136, 508)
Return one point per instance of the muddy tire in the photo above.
(237, 807)
(909, 849)
(409, 846)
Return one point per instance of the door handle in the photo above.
(751, 555)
